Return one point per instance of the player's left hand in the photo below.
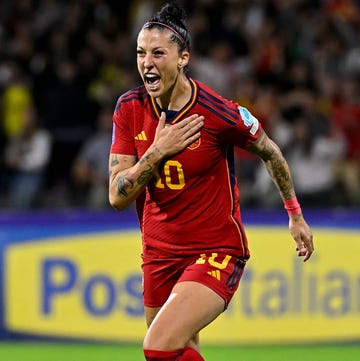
(302, 235)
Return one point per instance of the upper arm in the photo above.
(120, 162)
(263, 147)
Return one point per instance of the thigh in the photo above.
(150, 314)
(160, 274)
(196, 291)
(220, 272)
(190, 307)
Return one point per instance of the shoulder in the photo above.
(226, 109)
(209, 93)
(133, 97)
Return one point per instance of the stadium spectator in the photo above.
(27, 156)
(90, 168)
(346, 118)
(312, 157)
(16, 99)
(67, 113)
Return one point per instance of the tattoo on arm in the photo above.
(159, 151)
(276, 164)
(261, 147)
(133, 178)
(281, 176)
(123, 185)
(145, 176)
(144, 159)
(114, 161)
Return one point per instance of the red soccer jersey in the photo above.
(193, 207)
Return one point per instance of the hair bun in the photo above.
(173, 13)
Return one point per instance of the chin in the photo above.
(154, 93)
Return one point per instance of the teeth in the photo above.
(151, 78)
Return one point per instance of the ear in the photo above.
(184, 59)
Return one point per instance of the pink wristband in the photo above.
(292, 206)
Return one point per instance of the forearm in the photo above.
(280, 174)
(125, 185)
(276, 164)
(279, 171)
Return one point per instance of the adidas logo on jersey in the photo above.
(215, 274)
(141, 136)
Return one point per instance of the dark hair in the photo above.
(172, 16)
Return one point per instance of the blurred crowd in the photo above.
(295, 64)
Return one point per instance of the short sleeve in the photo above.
(122, 137)
(244, 131)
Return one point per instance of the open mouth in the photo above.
(152, 80)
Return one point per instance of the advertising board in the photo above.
(89, 286)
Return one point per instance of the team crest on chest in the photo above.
(195, 145)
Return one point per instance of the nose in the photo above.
(148, 60)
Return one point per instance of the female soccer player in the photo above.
(172, 152)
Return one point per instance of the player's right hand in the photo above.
(171, 139)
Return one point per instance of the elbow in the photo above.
(119, 203)
(117, 207)
(116, 203)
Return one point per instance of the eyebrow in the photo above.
(154, 49)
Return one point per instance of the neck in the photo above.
(177, 97)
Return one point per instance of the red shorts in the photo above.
(219, 272)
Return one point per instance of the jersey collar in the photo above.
(194, 92)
